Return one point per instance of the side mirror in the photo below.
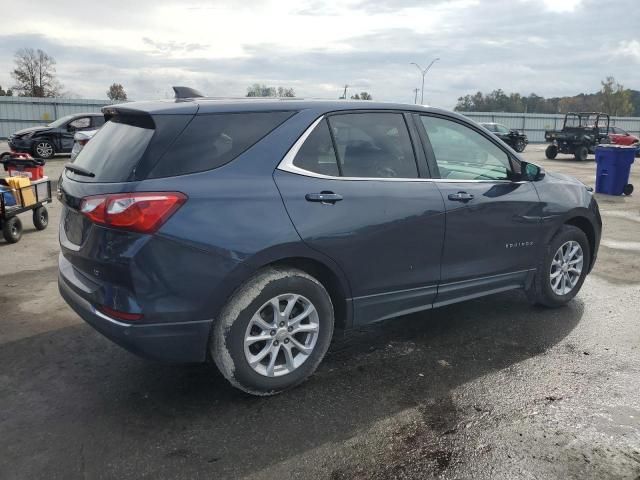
(532, 172)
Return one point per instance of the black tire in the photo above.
(551, 152)
(519, 145)
(628, 189)
(540, 292)
(581, 153)
(12, 230)
(44, 149)
(228, 335)
(40, 218)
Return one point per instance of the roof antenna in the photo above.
(186, 92)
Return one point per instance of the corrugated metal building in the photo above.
(534, 124)
(17, 113)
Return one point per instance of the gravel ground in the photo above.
(489, 389)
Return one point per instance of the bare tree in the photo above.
(35, 74)
(261, 90)
(286, 92)
(362, 96)
(116, 92)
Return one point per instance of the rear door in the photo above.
(355, 191)
(492, 218)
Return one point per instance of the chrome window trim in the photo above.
(286, 165)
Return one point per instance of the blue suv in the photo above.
(246, 231)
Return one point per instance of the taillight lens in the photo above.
(117, 314)
(142, 212)
(83, 142)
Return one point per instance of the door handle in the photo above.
(460, 197)
(323, 197)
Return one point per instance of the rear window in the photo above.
(114, 151)
(212, 140)
(134, 147)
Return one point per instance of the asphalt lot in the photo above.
(492, 388)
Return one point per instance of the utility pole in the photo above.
(415, 97)
(344, 95)
(424, 73)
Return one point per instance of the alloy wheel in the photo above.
(281, 335)
(566, 268)
(44, 149)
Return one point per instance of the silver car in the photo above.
(80, 139)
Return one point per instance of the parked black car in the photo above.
(245, 231)
(515, 139)
(581, 133)
(56, 137)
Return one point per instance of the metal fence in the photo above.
(534, 124)
(17, 113)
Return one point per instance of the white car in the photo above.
(80, 139)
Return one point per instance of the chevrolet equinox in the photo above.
(245, 231)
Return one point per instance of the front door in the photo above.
(72, 127)
(492, 218)
(354, 192)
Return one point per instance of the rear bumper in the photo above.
(183, 342)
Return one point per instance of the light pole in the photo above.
(424, 72)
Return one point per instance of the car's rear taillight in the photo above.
(117, 314)
(142, 212)
(83, 142)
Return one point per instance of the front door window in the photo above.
(463, 154)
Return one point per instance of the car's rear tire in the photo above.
(562, 269)
(12, 230)
(551, 152)
(581, 153)
(43, 149)
(292, 342)
(41, 218)
(519, 145)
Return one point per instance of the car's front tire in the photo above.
(551, 152)
(43, 149)
(273, 332)
(519, 145)
(562, 269)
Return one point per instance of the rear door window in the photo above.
(212, 140)
(97, 121)
(317, 154)
(373, 145)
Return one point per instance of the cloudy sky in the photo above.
(550, 47)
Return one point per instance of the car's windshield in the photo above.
(61, 121)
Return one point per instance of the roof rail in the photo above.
(186, 92)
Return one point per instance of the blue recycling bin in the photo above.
(613, 168)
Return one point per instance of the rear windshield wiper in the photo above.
(79, 170)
